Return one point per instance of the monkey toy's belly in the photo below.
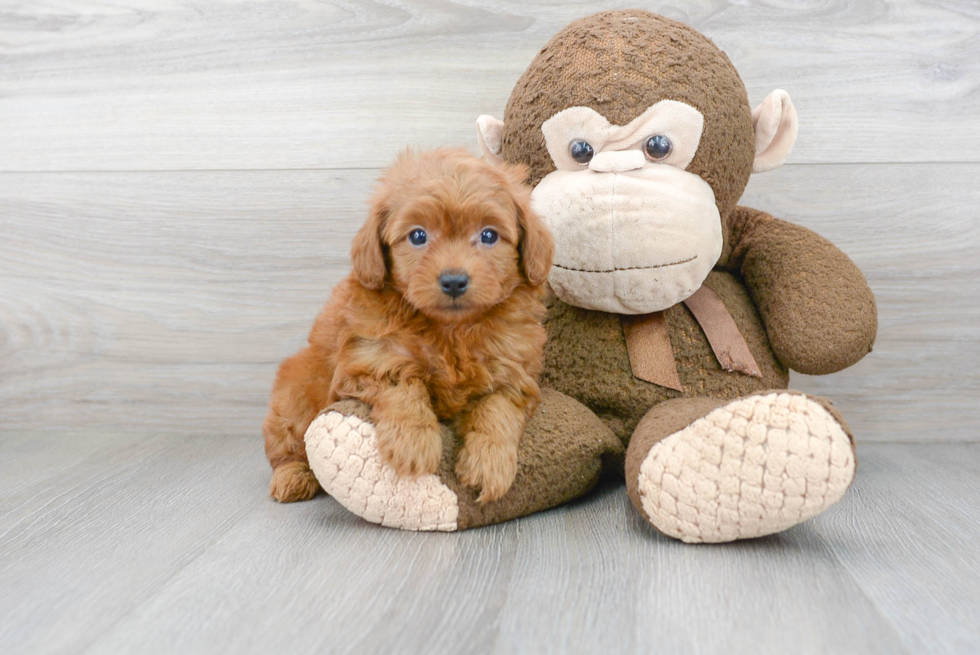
(586, 358)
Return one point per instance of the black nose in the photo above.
(454, 283)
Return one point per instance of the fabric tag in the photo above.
(648, 345)
(723, 335)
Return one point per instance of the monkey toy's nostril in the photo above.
(454, 283)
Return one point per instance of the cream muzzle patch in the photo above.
(629, 243)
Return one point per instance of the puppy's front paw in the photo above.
(486, 464)
(412, 450)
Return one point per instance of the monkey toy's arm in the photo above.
(817, 307)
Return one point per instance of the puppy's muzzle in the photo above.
(454, 283)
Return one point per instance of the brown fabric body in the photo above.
(816, 304)
(351, 407)
(561, 456)
(648, 341)
(586, 358)
(814, 301)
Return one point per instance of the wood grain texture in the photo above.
(146, 85)
(82, 549)
(916, 509)
(171, 545)
(164, 301)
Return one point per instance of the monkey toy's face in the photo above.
(639, 138)
(634, 231)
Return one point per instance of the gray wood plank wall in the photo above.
(179, 183)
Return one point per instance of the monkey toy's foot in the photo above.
(705, 470)
(342, 447)
(560, 457)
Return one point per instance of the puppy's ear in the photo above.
(537, 246)
(367, 250)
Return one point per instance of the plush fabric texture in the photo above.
(564, 450)
(776, 123)
(747, 468)
(620, 63)
(667, 418)
(586, 358)
(680, 123)
(815, 303)
(561, 456)
(489, 131)
(342, 448)
(652, 357)
(648, 346)
(727, 343)
(629, 243)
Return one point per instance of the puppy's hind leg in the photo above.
(296, 399)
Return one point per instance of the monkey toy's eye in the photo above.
(417, 237)
(657, 147)
(581, 151)
(488, 237)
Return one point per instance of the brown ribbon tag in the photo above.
(724, 336)
(650, 353)
(648, 345)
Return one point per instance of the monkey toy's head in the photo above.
(639, 139)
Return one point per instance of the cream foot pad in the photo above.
(754, 467)
(343, 454)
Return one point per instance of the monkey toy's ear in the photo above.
(489, 134)
(775, 124)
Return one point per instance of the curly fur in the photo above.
(390, 337)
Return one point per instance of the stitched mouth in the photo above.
(628, 268)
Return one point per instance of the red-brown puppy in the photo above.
(440, 319)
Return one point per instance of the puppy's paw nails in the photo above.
(489, 467)
(412, 451)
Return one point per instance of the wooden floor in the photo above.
(127, 544)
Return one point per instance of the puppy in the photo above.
(440, 320)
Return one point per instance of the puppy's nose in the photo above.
(454, 283)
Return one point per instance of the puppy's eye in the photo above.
(657, 147)
(581, 151)
(488, 237)
(418, 237)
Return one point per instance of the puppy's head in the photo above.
(453, 234)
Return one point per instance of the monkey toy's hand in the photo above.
(817, 308)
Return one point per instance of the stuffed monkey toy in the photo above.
(675, 313)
